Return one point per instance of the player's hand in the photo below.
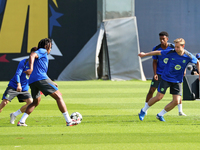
(195, 73)
(142, 54)
(156, 77)
(19, 88)
(28, 72)
(56, 84)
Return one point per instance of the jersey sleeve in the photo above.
(19, 71)
(194, 59)
(165, 53)
(154, 56)
(40, 53)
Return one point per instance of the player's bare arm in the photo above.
(155, 69)
(184, 72)
(32, 57)
(142, 54)
(55, 84)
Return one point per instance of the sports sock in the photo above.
(17, 112)
(180, 108)
(162, 112)
(66, 116)
(146, 107)
(24, 117)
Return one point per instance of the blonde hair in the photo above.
(180, 40)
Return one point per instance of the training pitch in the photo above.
(110, 120)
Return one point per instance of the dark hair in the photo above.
(44, 42)
(163, 33)
(33, 49)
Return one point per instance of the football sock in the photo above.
(24, 117)
(17, 112)
(146, 107)
(162, 112)
(180, 108)
(66, 116)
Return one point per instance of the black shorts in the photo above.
(155, 83)
(10, 93)
(45, 86)
(175, 88)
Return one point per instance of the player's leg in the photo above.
(63, 108)
(153, 87)
(163, 85)
(60, 102)
(176, 91)
(21, 110)
(155, 99)
(162, 88)
(28, 111)
(173, 103)
(152, 101)
(150, 94)
(28, 102)
(24, 96)
(8, 95)
(48, 88)
(33, 105)
(3, 104)
(180, 109)
(168, 107)
(36, 100)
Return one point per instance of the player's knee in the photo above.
(5, 101)
(29, 101)
(59, 98)
(176, 102)
(159, 97)
(36, 102)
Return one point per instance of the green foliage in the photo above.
(110, 120)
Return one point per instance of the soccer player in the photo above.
(159, 63)
(172, 76)
(18, 87)
(39, 81)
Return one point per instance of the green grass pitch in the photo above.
(110, 120)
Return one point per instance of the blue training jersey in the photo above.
(161, 60)
(174, 70)
(20, 76)
(40, 66)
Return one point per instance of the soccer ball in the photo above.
(76, 116)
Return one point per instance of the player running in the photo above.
(172, 76)
(159, 63)
(39, 81)
(18, 87)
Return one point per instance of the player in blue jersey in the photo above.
(18, 87)
(39, 81)
(159, 63)
(172, 76)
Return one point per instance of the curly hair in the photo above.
(44, 42)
